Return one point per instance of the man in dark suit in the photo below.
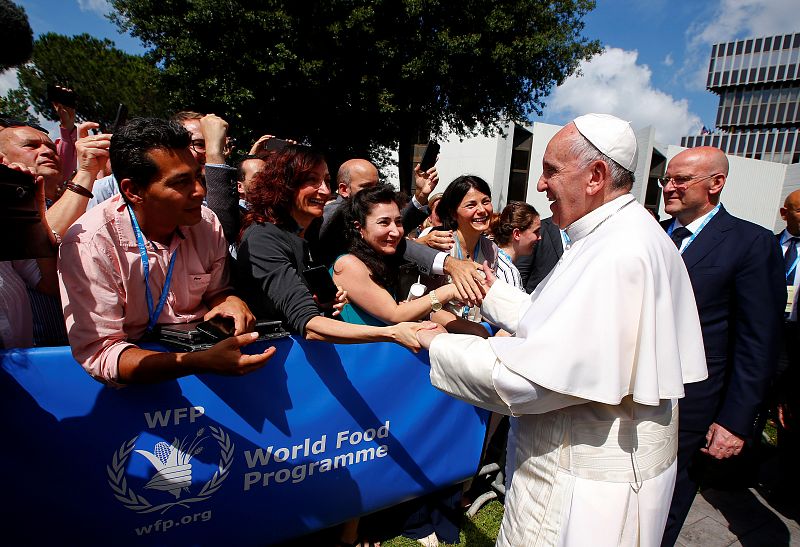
(545, 256)
(736, 269)
(787, 386)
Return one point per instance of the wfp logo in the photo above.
(173, 471)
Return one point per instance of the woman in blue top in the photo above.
(369, 272)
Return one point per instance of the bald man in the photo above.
(736, 269)
(28, 146)
(788, 384)
(358, 174)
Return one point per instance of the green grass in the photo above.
(481, 531)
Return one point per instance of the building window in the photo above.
(748, 47)
(767, 43)
(770, 141)
(751, 141)
(758, 45)
(762, 111)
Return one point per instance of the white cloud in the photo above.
(100, 7)
(613, 83)
(668, 60)
(734, 20)
(8, 81)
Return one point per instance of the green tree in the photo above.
(101, 75)
(17, 38)
(354, 75)
(15, 106)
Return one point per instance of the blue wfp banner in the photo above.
(321, 434)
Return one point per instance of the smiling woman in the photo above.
(369, 273)
(466, 208)
(278, 244)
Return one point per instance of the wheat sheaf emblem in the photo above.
(173, 471)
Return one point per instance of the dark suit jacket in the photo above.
(546, 253)
(736, 269)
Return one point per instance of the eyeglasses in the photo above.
(682, 183)
(198, 145)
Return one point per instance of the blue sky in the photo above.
(652, 71)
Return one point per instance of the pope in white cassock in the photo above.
(601, 351)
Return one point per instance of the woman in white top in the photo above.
(515, 231)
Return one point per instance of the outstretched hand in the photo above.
(226, 358)
(426, 335)
(466, 278)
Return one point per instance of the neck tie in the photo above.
(679, 234)
(789, 258)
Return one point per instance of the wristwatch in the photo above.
(435, 304)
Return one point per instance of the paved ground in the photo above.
(742, 516)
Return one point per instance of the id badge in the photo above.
(790, 291)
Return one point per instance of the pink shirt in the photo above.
(102, 282)
(65, 147)
(16, 321)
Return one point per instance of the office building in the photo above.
(758, 83)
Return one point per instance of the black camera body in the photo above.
(19, 218)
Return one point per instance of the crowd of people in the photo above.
(599, 320)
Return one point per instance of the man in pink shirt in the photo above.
(151, 255)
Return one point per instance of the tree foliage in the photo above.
(15, 106)
(101, 75)
(351, 75)
(16, 42)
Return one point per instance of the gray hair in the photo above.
(586, 153)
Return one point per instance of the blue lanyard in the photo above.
(153, 314)
(474, 253)
(694, 235)
(791, 270)
(465, 309)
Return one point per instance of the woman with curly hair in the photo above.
(370, 271)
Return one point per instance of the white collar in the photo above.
(785, 235)
(591, 220)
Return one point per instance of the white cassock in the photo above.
(601, 351)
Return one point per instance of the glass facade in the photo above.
(758, 83)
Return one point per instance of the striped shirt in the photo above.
(507, 271)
